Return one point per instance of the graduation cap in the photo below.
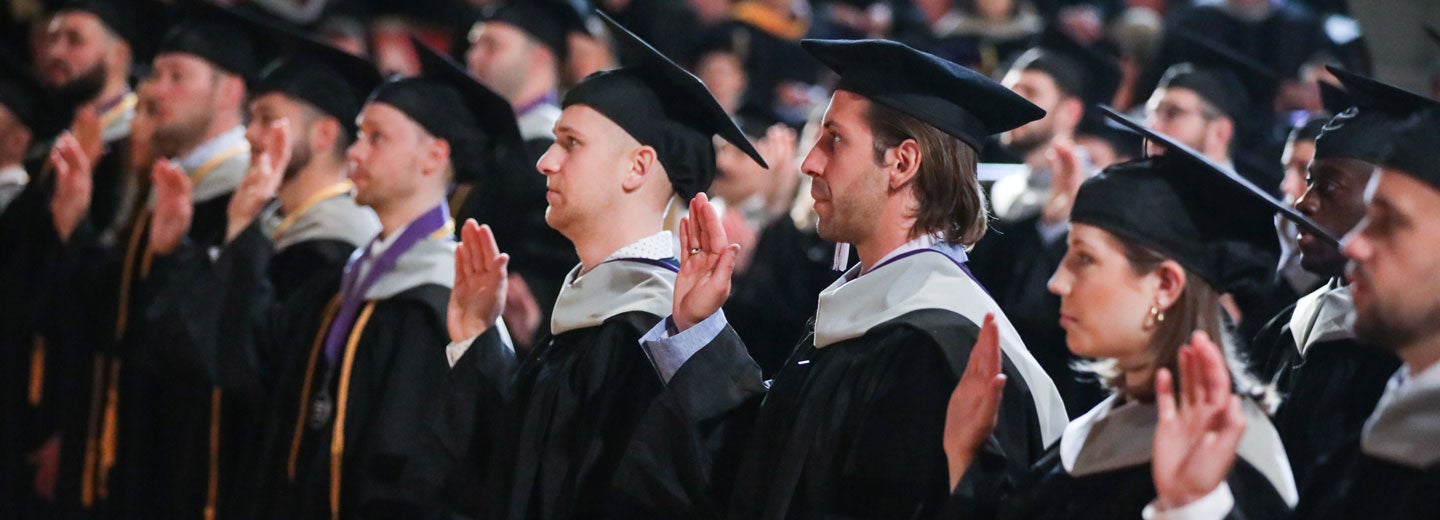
(956, 100)
(24, 95)
(1078, 70)
(1415, 146)
(446, 101)
(1333, 98)
(1180, 205)
(1363, 130)
(726, 38)
(549, 22)
(1232, 82)
(231, 40)
(1184, 205)
(111, 14)
(1094, 123)
(661, 105)
(334, 81)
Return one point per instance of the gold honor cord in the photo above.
(337, 438)
(319, 343)
(334, 190)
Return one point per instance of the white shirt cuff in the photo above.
(455, 350)
(1213, 506)
(1049, 233)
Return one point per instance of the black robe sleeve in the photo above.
(454, 450)
(689, 443)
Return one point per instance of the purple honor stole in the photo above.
(353, 288)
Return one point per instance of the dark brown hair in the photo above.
(951, 201)
(1197, 308)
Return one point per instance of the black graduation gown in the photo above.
(398, 364)
(574, 405)
(127, 442)
(456, 450)
(854, 429)
(1326, 395)
(1110, 474)
(1351, 484)
(29, 249)
(1015, 264)
(209, 313)
(1124, 493)
(771, 301)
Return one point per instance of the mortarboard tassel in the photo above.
(842, 257)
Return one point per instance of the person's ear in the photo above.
(1172, 280)
(641, 164)
(905, 162)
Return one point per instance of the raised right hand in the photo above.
(975, 404)
(73, 185)
(1067, 171)
(1195, 444)
(262, 180)
(707, 259)
(174, 207)
(478, 298)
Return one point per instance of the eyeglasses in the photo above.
(1169, 112)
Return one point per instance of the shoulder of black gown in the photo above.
(294, 265)
(1349, 484)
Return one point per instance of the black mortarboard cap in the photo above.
(1415, 146)
(114, 14)
(661, 105)
(1363, 131)
(1184, 206)
(1094, 123)
(1333, 98)
(234, 41)
(1078, 70)
(960, 102)
(25, 96)
(727, 38)
(333, 81)
(1236, 84)
(549, 22)
(446, 101)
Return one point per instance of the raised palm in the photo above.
(173, 207)
(707, 260)
(262, 180)
(478, 298)
(1195, 439)
(975, 403)
(73, 185)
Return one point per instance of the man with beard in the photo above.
(1017, 256)
(1330, 381)
(85, 62)
(1393, 469)
(517, 49)
(355, 356)
(28, 117)
(1219, 105)
(850, 426)
(289, 252)
(137, 412)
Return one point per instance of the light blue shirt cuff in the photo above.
(668, 353)
(1049, 233)
(1213, 506)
